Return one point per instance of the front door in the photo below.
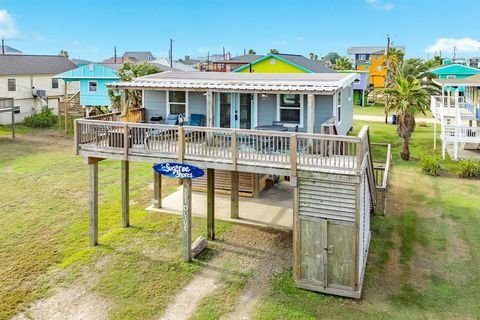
(244, 111)
(234, 110)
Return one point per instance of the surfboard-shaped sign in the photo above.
(178, 170)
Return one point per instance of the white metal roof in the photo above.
(266, 82)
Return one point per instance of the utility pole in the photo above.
(3, 46)
(115, 54)
(223, 53)
(387, 78)
(454, 54)
(171, 53)
(244, 51)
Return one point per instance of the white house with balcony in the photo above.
(459, 116)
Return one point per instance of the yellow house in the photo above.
(284, 63)
(372, 59)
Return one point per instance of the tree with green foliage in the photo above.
(407, 99)
(434, 62)
(332, 57)
(313, 56)
(63, 53)
(343, 63)
(274, 51)
(128, 72)
(251, 51)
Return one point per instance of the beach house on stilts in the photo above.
(260, 123)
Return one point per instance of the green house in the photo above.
(455, 71)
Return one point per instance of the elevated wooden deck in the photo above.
(333, 178)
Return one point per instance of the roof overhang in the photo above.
(465, 82)
(316, 83)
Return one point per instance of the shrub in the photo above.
(44, 119)
(468, 169)
(430, 165)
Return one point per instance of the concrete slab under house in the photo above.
(243, 129)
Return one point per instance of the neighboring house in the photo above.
(233, 63)
(92, 79)
(284, 63)
(361, 88)
(195, 63)
(455, 71)
(474, 62)
(371, 59)
(28, 79)
(132, 57)
(9, 50)
(177, 65)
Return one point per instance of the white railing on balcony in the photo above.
(234, 147)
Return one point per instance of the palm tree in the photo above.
(274, 51)
(313, 56)
(128, 72)
(251, 51)
(63, 53)
(418, 69)
(407, 99)
(343, 63)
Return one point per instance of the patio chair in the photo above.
(172, 119)
(196, 120)
(278, 123)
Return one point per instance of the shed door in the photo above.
(313, 233)
(341, 254)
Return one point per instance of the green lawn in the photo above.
(424, 254)
(423, 261)
(378, 110)
(44, 230)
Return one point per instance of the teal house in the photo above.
(455, 71)
(92, 80)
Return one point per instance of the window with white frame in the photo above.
(54, 83)
(92, 86)
(12, 84)
(177, 102)
(339, 106)
(450, 76)
(290, 109)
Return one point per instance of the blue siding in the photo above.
(92, 72)
(99, 98)
(323, 111)
(197, 103)
(155, 104)
(267, 109)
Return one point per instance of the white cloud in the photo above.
(461, 45)
(380, 5)
(8, 28)
(300, 38)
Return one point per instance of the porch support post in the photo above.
(296, 236)
(187, 220)
(434, 132)
(457, 108)
(234, 190)
(65, 104)
(125, 194)
(211, 204)
(310, 113)
(93, 202)
(210, 109)
(157, 190)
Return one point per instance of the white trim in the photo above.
(143, 98)
(338, 94)
(96, 85)
(186, 115)
(291, 125)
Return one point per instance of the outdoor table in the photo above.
(271, 128)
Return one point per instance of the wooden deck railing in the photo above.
(382, 169)
(229, 146)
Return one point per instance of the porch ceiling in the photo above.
(264, 82)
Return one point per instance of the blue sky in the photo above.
(90, 29)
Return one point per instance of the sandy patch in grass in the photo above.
(74, 302)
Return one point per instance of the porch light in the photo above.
(263, 96)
